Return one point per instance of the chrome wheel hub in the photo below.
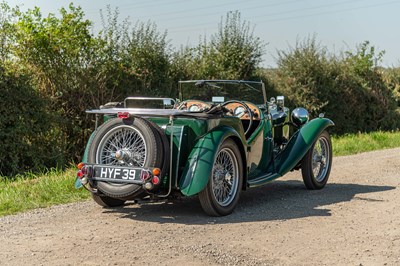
(123, 145)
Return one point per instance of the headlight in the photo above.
(299, 116)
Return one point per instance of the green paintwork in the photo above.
(262, 179)
(180, 146)
(200, 162)
(259, 156)
(294, 151)
(300, 143)
(85, 155)
(196, 142)
(194, 130)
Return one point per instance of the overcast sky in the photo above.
(338, 24)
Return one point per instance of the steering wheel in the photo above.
(248, 110)
(193, 105)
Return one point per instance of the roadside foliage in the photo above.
(53, 67)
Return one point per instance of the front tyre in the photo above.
(221, 194)
(316, 164)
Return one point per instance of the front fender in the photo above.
(200, 162)
(300, 143)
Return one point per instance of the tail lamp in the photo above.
(156, 171)
(155, 180)
(123, 115)
(80, 165)
(80, 174)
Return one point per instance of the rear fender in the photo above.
(200, 162)
(85, 155)
(300, 143)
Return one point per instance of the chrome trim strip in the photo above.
(140, 111)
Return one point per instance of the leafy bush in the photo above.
(27, 132)
(231, 53)
(350, 90)
(53, 68)
(76, 70)
(392, 79)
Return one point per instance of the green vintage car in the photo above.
(219, 138)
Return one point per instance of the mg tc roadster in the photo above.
(219, 138)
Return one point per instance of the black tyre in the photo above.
(316, 164)
(128, 142)
(225, 183)
(164, 145)
(107, 201)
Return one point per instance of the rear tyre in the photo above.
(316, 164)
(107, 201)
(222, 192)
(128, 142)
(164, 146)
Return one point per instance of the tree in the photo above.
(231, 53)
(234, 49)
(349, 89)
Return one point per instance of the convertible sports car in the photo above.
(219, 138)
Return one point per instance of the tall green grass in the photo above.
(32, 191)
(37, 191)
(363, 142)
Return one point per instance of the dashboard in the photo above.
(235, 108)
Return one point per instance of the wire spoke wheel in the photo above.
(320, 159)
(225, 177)
(126, 143)
(316, 164)
(221, 194)
(123, 145)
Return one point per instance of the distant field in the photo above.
(32, 191)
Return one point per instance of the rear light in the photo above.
(86, 170)
(123, 115)
(156, 171)
(80, 165)
(84, 181)
(144, 175)
(155, 180)
(148, 185)
(79, 174)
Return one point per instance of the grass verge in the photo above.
(38, 191)
(56, 187)
(363, 142)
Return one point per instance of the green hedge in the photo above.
(28, 135)
(349, 89)
(53, 69)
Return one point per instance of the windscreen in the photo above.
(149, 103)
(222, 92)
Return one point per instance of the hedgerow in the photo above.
(53, 68)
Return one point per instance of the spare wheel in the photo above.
(137, 139)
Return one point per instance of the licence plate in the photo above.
(117, 174)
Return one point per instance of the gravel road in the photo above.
(355, 220)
